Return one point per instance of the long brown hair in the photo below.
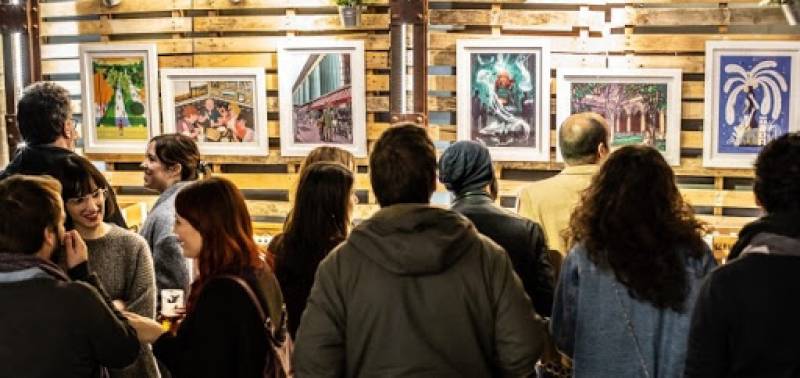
(216, 209)
(633, 220)
(319, 220)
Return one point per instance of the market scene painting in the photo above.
(753, 101)
(636, 112)
(503, 99)
(322, 99)
(119, 98)
(214, 110)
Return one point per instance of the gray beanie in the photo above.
(466, 166)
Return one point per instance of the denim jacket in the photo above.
(590, 324)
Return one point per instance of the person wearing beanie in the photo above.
(465, 169)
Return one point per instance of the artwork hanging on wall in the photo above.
(322, 95)
(504, 97)
(119, 97)
(223, 109)
(751, 91)
(641, 106)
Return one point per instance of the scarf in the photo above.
(783, 224)
(12, 262)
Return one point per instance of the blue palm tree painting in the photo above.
(503, 99)
(753, 105)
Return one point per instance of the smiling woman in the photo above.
(121, 258)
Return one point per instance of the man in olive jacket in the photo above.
(415, 290)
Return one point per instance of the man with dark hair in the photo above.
(51, 326)
(744, 323)
(45, 122)
(416, 290)
(583, 140)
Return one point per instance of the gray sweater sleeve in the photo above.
(170, 265)
(143, 286)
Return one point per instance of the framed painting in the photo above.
(642, 106)
(119, 86)
(503, 95)
(322, 95)
(223, 109)
(751, 91)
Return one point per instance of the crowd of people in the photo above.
(602, 272)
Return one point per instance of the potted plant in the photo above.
(349, 12)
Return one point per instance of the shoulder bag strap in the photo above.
(265, 319)
(629, 324)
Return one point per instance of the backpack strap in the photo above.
(269, 326)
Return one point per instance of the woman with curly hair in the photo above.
(624, 298)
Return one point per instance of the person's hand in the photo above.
(75, 249)
(147, 329)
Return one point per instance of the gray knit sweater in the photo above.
(122, 261)
(171, 268)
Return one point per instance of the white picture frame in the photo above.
(108, 127)
(310, 118)
(639, 109)
(734, 131)
(516, 132)
(230, 105)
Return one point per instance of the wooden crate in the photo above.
(583, 33)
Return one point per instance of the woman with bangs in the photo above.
(120, 258)
(222, 333)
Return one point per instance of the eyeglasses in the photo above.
(97, 195)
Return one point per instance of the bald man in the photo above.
(583, 139)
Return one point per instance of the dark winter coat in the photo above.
(417, 291)
(745, 322)
(522, 239)
(55, 328)
(222, 335)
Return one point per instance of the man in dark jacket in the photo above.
(465, 169)
(45, 121)
(51, 326)
(416, 290)
(745, 321)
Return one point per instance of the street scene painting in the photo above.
(641, 106)
(322, 99)
(754, 101)
(635, 112)
(322, 95)
(750, 99)
(120, 100)
(215, 111)
(501, 96)
(222, 109)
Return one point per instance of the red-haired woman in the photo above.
(222, 334)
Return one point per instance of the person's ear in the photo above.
(176, 170)
(602, 151)
(68, 131)
(49, 243)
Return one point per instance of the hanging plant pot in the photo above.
(350, 16)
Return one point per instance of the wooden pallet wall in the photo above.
(583, 33)
(3, 143)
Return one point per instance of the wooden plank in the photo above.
(689, 64)
(518, 19)
(569, 44)
(720, 198)
(269, 61)
(638, 17)
(692, 139)
(72, 66)
(92, 7)
(285, 23)
(275, 4)
(268, 44)
(163, 46)
(671, 43)
(118, 26)
(255, 181)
